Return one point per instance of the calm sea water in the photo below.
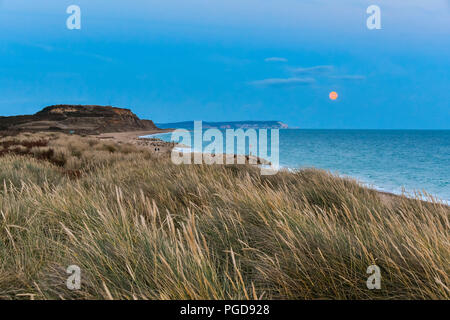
(394, 161)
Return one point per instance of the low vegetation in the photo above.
(140, 227)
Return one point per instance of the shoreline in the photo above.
(410, 194)
(127, 136)
(147, 139)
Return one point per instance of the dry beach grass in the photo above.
(140, 227)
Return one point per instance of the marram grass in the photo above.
(140, 227)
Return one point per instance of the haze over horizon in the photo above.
(233, 60)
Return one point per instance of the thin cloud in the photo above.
(50, 48)
(312, 70)
(283, 82)
(40, 46)
(276, 59)
(327, 71)
(349, 77)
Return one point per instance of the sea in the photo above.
(397, 161)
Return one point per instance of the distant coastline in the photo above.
(189, 125)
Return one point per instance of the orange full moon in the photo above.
(333, 95)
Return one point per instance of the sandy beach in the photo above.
(133, 137)
(127, 137)
(160, 147)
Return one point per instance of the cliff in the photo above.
(79, 119)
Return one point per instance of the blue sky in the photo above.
(177, 60)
